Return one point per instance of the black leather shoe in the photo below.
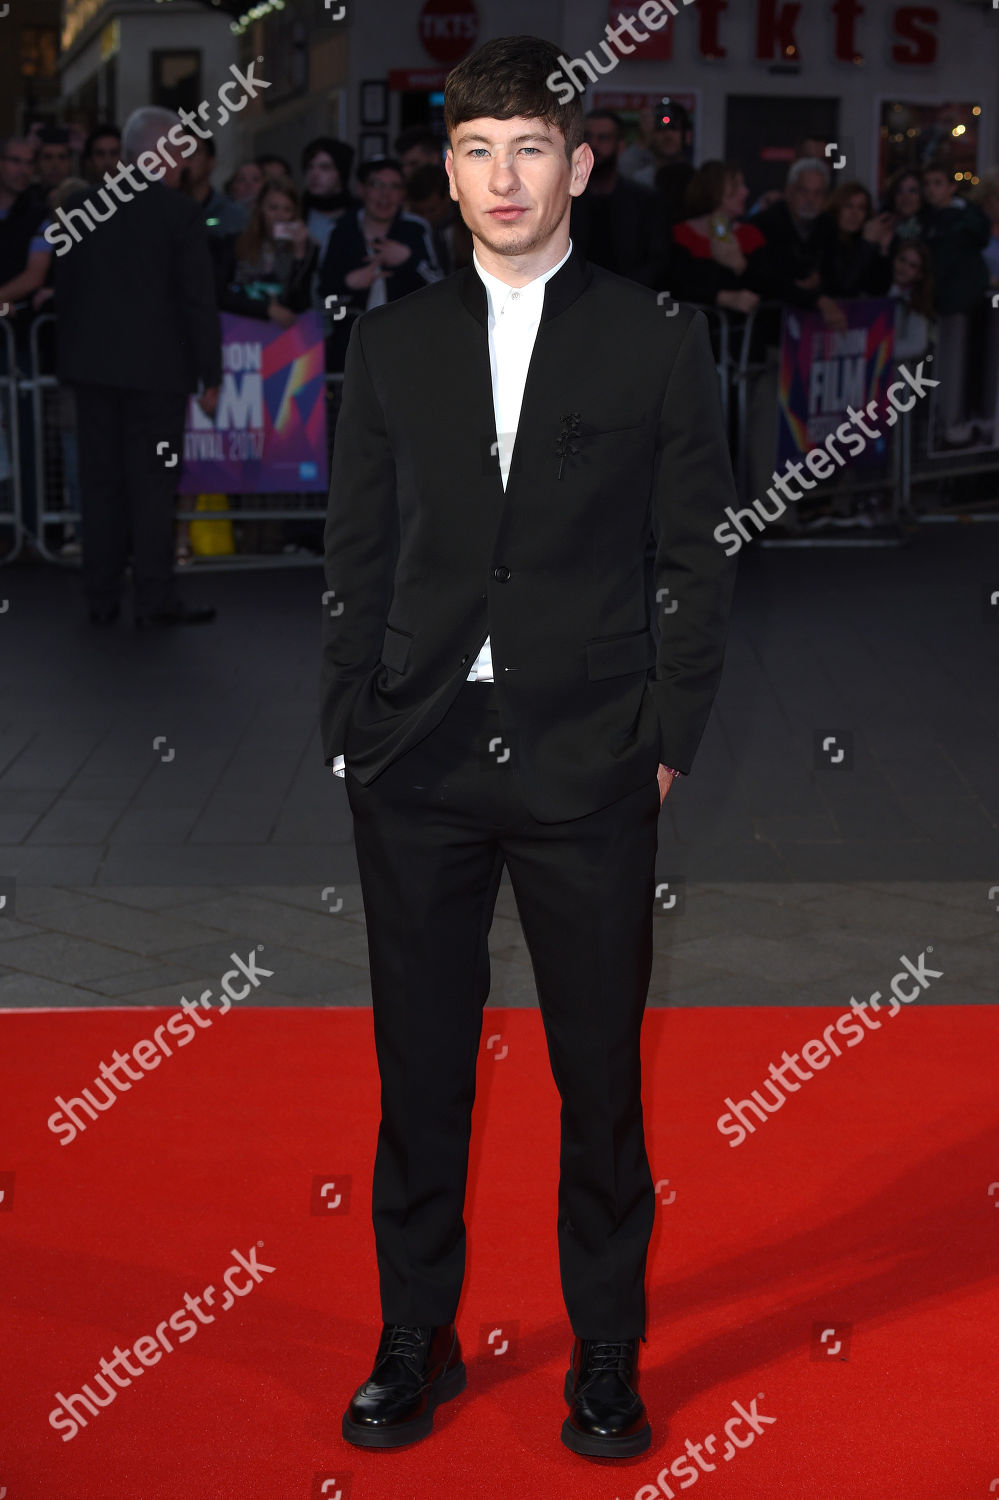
(606, 1414)
(415, 1370)
(181, 614)
(105, 616)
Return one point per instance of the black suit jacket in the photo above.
(604, 591)
(135, 298)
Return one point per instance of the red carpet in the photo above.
(862, 1206)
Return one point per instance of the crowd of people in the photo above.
(342, 237)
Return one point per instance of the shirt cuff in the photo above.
(338, 765)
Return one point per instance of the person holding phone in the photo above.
(266, 271)
(717, 259)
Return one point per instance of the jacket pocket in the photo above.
(395, 648)
(617, 654)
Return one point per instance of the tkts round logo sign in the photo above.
(449, 28)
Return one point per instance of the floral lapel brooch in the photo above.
(565, 443)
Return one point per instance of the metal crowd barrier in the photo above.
(51, 417)
(11, 517)
(272, 521)
(943, 470)
(56, 504)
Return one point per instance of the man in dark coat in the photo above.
(801, 237)
(617, 223)
(138, 328)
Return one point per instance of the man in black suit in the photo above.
(524, 626)
(619, 224)
(138, 329)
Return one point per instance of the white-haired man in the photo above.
(798, 232)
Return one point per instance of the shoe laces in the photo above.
(405, 1342)
(607, 1358)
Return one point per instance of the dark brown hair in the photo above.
(706, 188)
(507, 78)
(249, 244)
(895, 182)
(922, 294)
(842, 195)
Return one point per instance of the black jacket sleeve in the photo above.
(361, 544)
(693, 576)
(199, 307)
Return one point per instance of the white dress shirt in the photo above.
(514, 319)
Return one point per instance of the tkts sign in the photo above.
(914, 29)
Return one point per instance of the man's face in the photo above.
(383, 193)
(807, 197)
(939, 189)
(604, 141)
(322, 176)
(247, 181)
(419, 156)
(53, 164)
(667, 144)
(17, 166)
(105, 154)
(513, 182)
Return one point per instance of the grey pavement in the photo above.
(163, 801)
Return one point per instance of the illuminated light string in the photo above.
(255, 13)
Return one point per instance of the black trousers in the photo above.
(128, 492)
(432, 834)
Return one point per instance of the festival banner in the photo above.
(268, 434)
(823, 374)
